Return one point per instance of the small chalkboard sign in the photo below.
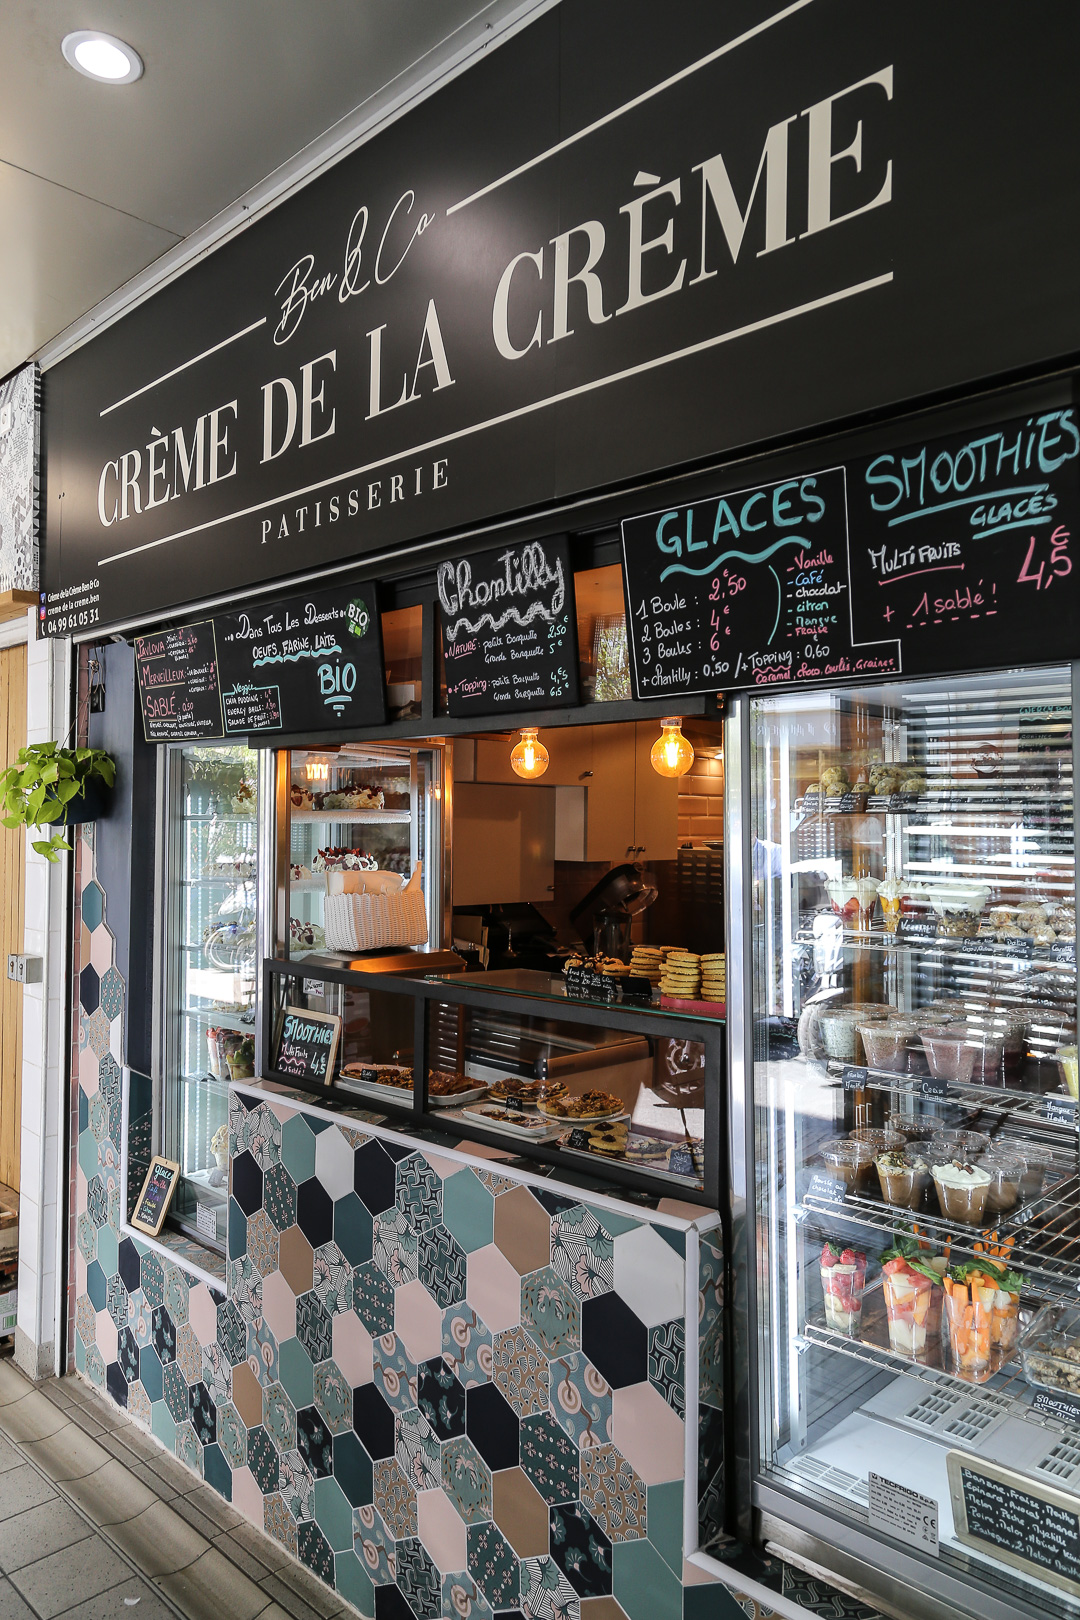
(306, 1045)
(916, 930)
(155, 1196)
(1060, 1111)
(932, 1085)
(179, 687)
(509, 629)
(854, 1078)
(1023, 1523)
(1063, 950)
(827, 1188)
(1051, 1404)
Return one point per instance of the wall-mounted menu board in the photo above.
(306, 1045)
(747, 589)
(306, 664)
(303, 664)
(1031, 1526)
(178, 683)
(950, 554)
(510, 629)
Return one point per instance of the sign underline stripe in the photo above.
(628, 106)
(510, 416)
(176, 370)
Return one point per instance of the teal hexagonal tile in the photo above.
(88, 1154)
(232, 1435)
(298, 1148)
(644, 1584)
(279, 1196)
(279, 1416)
(353, 1582)
(333, 1397)
(296, 1372)
(352, 1229)
(86, 1237)
(352, 1468)
(468, 1210)
(93, 906)
(333, 1514)
(163, 1424)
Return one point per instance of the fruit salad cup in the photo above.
(969, 1311)
(908, 1296)
(843, 1280)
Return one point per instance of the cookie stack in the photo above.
(646, 962)
(714, 977)
(681, 975)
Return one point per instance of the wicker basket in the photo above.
(364, 922)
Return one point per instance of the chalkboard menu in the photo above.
(302, 665)
(155, 1195)
(1030, 1526)
(942, 556)
(749, 589)
(307, 1045)
(509, 629)
(178, 683)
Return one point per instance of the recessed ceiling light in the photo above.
(102, 57)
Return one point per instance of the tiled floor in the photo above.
(97, 1521)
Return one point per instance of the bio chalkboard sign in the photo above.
(749, 589)
(307, 663)
(155, 1196)
(179, 690)
(307, 1044)
(509, 629)
(1028, 1525)
(966, 547)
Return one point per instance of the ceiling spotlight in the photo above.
(102, 57)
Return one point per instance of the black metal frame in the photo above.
(458, 992)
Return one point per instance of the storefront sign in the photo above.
(304, 664)
(942, 556)
(1024, 1523)
(510, 629)
(609, 248)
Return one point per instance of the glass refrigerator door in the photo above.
(911, 932)
(211, 845)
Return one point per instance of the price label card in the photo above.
(206, 1220)
(916, 929)
(854, 1077)
(827, 1188)
(903, 1514)
(1060, 1111)
(1063, 951)
(1065, 1407)
(932, 1086)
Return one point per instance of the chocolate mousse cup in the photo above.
(962, 1191)
(904, 1178)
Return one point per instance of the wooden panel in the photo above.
(12, 862)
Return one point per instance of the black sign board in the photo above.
(1053, 1404)
(612, 246)
(179, 687)
(509, 629)
(1060, 1111)
(307, 663)
(932, 1085)
(307, 1045)
(854, 1077)
(155, 1195)
(916, 930)
(1030, 1526)
(827, 1188)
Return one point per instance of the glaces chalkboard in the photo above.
(178, 683)
(306, 663)
(155, 1195)
(1030, 1526)
(966, 547)
(749, 589)
(307, 1045)
(509, 629)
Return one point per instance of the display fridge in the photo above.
(902, 973)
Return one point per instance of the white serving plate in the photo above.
(524, 1133)
(458, 1098)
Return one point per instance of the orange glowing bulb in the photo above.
(671, 754)
(529, 757)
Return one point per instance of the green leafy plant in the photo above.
(43, 781)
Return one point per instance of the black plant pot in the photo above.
(89, 805)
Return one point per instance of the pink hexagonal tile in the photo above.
(202, 1315)
(441, 1530)
(280, 1109)
(648, 1433)
(247, 1498)
(493, 1288)
(352, 1348)
(279, 1307)
(101, 950)
(107, 1336)
(418, 1321)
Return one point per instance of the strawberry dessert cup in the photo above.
(843, 1279)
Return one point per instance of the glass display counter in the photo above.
(509, 1059)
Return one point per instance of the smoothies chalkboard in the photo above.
(747, 589)
(178, 683)
(1028, 1525)
(509, 629)
(307, 1045)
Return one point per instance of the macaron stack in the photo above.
(681, 975)
(714, 977)
(646, 962)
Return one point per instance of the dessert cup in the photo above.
(907, 1126)
(904, 1177)
(1037, 1161)
(1067, 1060)
(960, 1144)
(970, 1326)
(907, 1304)
(840, 1032)
(1006, 1172)
(886, 1043)
(952, 1051)
(848, 1162)
(962, 1191)
(879, 1140)
(843, 1281)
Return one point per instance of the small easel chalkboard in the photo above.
(307, 1044)
(155, 1196)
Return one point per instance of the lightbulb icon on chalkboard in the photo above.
(529, 757)
(671, 754)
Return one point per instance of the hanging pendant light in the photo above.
(671, 754)
(529, 758)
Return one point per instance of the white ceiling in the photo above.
(98, 181)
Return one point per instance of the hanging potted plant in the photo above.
(50, 784)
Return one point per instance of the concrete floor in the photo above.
(98, 1521)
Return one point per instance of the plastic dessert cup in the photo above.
(905, 1125)
(1067, 1060)
(951, 1051)
(848, 1162)
(962, 1191)
(1006, 1171)
(970, 1324)
(840, 1032)
(1037, 1161)
(886, 1044)
(904, 1177)
(843, 1281)
(880, 1141)
(907, 1302)
(960, 1144)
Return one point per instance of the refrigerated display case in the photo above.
(903, 1002)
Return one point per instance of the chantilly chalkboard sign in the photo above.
(306, 1045)
(509, 629)
(179, 687)
(1024, 1523)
